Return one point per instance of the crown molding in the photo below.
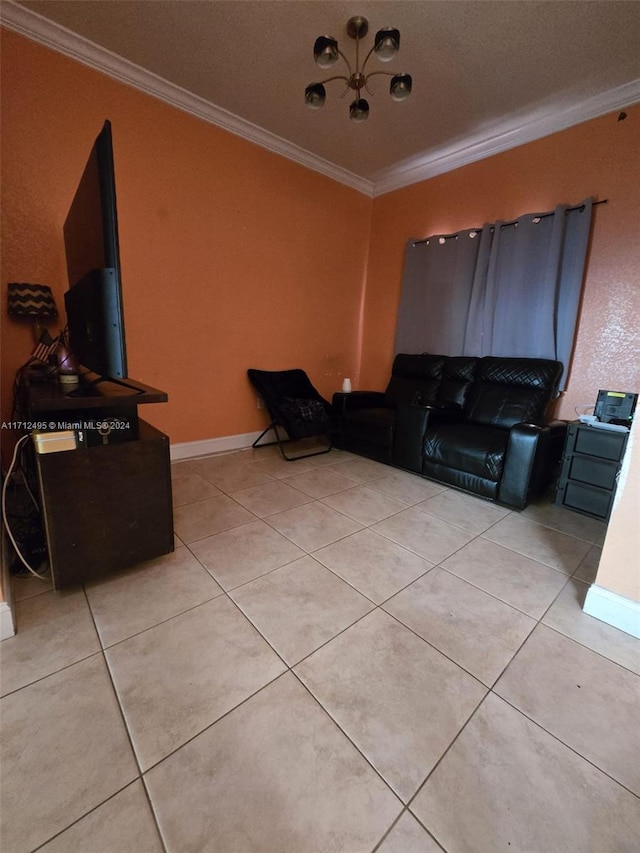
(62, 40)
(516, 131)
(510, 134)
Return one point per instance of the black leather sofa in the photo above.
(473, 423)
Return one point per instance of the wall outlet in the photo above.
(259, 403)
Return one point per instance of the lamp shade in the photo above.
(359, 110)
(400, 87)
(387, 44)
(31, 300)
(315, 95)
(325, 51)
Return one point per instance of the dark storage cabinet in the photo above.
(106, 505)
(590, 466)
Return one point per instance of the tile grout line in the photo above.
(87, 813)
(124, 720)
(351, 741)
(568, 746)
(163, 621)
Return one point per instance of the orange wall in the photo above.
(598, 158)
(235, 257)
(232, 257)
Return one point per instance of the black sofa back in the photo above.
(508, 391)
(411, 375)
(458, 375)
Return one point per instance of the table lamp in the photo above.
(32, 302)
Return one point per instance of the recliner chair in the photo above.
(500, 447)
(370, 417)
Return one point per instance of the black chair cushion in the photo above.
(306, 417)
(467, 447)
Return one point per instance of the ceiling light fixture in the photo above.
(326, 53)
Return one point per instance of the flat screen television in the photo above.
(94, 299)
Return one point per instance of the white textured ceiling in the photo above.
(486, 75)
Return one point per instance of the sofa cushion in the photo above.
(476, 449)
(508, 391)
(503, 405)
(373, 426)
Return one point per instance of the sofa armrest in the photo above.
(531, 462)
(411, 425)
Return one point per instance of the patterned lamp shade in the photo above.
(34, 301)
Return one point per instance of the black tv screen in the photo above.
(94, 299)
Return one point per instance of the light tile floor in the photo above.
(338, 657)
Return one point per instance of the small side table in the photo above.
(590, 464)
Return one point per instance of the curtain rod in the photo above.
(504, 224)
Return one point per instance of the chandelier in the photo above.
(326, 53)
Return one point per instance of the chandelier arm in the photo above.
(348, 64)
(366, 59)
(373, 74)
(336, 77)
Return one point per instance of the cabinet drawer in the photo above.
(599, 442)
(588, 499)
(597, 472)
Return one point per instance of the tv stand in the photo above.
(106, 505)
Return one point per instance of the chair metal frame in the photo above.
(282, 441)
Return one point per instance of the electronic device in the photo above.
(615, 407)
(609, 426)
(99, 427)
(54, 442)
(94, 299)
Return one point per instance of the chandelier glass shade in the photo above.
(326, 53)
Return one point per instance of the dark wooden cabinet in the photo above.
(590, 465)
(105, 506)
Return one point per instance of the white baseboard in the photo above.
(191, 449)
(7, 628)
(616, 610)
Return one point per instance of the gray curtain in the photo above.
(436, 292)
(512, 289)
(527, 303)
